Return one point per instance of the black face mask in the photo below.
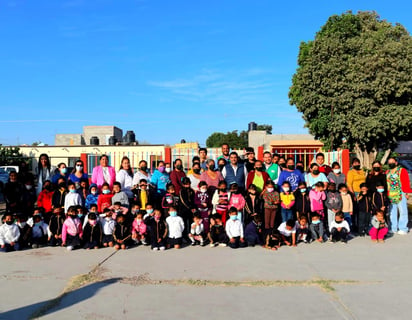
(338, 222)
(283, 165)
(315, 172)
(62, 185)
(221, 166)
(143, 169)
(392, 165)
(357, 167)
(300, 168)
(179, 167)
(376, 169)
(222, 189)
(212, 167)
(9, 223)
(197, 171)
(290, 167)
(260, 169)
(48, 187)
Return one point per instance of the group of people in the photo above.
(227, 202)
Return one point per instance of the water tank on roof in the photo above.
(112, 140)
(94, 141)
(129, 138)
(252, 126)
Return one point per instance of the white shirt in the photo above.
(107, 225)
(72, 199)
(196, 229)
(234, 228)
(235, 168)
(343, 224)
(8, 233)
(175, 226)
(194, 182)
(139, 176)
(287, 233)
(126, 182)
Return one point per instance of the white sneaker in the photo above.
(162, 248)
(155, 249)
(401, 232)
(69, 248)
(222, 244)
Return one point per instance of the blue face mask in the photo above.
(173, 213)
(380, 190)
(64, 170)
(233, 218)
(316, 222)
(303, 190)
(149, 211)
(80, 215)
(73, 190)
(106, 191)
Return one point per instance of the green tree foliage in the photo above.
(353, 83)
(234, 139)
(265, 127)
(10, 156)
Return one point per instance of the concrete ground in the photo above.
(359, 280)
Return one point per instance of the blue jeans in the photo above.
(348, 218)
(402, 222)
(286, 214)
(8, 247)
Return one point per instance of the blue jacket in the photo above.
(160, 181)
(251, 233)
(91, 198)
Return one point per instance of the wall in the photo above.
(102, 132)
(68, 140)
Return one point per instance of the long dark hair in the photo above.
(130, 170)
(74, 168)
(39, 165)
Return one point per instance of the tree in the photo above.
(235, 140)
(265, 127)
(11, 156)
(353, 84)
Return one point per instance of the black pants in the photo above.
(363, 222)
(90, 245)
(220, 238)
(341, 235)
(55, 242)
(237, 243)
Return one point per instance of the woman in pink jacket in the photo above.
(104, 173)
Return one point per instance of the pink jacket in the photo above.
(72, 227)
(316, 200)
(237, 201)
(139, 228)
(98, 178)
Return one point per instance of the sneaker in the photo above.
(144, 243)
(193, 243)
(202, 244)
(401, 232)
(34, 246)
(222, 245)
(213, 245)
(155, 248)
(162, 248)
(69, 248)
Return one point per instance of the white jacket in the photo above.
(234, 228)
(9, 234)
(72, 199)
(176, 226)
(196, 229)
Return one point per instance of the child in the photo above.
(108, 225)
(347, 203)
(80, 213)
(158, 231)
(316, 228)
(176, 226)
(104, 200)
(119, 195)
(72, 230)
(379, 227)
(59, 195)
(117, 208)
(121, 233)
(187, 205)
(149, 213)
(317, 196)
(9, 234)
(170, 199)
(333, 202)
(253, 231)
(25, 232)
(287, 200)
(92, 233)
(139, 229)
(339, 228)
(253, 204)
(92, 196)
(39, 232)
(302, 201)
(204, 204)
(143, 195)
(234, 230)
(72, 198)
(365, 210)
(217, 235)
(287, 232)
(54, 231)
(302, 230)
(197, 231)
(271, 200)
(380, 199)
(44, 200)
(220, 200)
(273, 240)
(237, 200)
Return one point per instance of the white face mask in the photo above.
(203, 189)
(79, 168)
(286, 189)
(336, 171)
(29, 186)
(269, 189)
(168, 170)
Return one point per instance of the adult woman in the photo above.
(125, 177)
(160, 179)
(376, 177)
(103, 173)
(195, 176)
(290, 174)
(44, 171)
(61, 172)
(142, 173)
(398, 192)
(336, 176)
(211, 176)
(314, 176)
(78, 173)
(257, 177)
(356, 176)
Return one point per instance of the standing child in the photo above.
(220, 200)
(287, 200)
(197, 231)
(176, 226)
(253, 231)
(339, 228)
(158, 231)
(39, 232)
(108, 225)
(380, 199)
(139, 229)
(121, 233)
(204, 204)
(72, 230)
(104, 200)
(317, 196)
(187, 205)
(333, 202)
(254, 204)
(347, 203)
(236, 200)
(217, 234)
(9, 234)
(72, 198)
(379, 227)
(92, 233)
(302, 230)
(234, 230)
(316, 228)
(302, 201)
(287, 232)
(271, 200)
(365, 210)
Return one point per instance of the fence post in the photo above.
(168, 155)
(83, 157)
(260, 153)
(345, 161)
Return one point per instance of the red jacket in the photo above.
(104, 201)
(44, 200)
(251, 176)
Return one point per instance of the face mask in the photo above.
(203, 189)
(303, 190)
(9, 223)
(315, 172)
(222, 189)
(233, 218)
(138, 220)
(252, 193)
(62, 185)
(135, 211)
(64, 170)
(283, 165)
(168, 170)
(108, 218)
(380, 190)
(157, 218)
(357, 167)
(173, 213)
(221, 166)
(48, 187)
(80, 215)
(332, 190)
(316, 222)
(269, 189)
(260, 169)
(376, 169)
(72, 190)
(79, 168)
(106, 191)
(343, 193)
(197, 171)
(161, 169)
(29, 186)
(94, 192)
(22, 224)
(149, 211)
(336, 171)
(338, 222)
(212, 167)
(92, 222)
(144, 168)
(392, 165)
(286, 189)
(300, 168)
(179, 167)
(290, 167)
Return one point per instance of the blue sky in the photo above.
(169, 70)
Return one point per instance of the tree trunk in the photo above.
(385, 156)
(366, 158)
